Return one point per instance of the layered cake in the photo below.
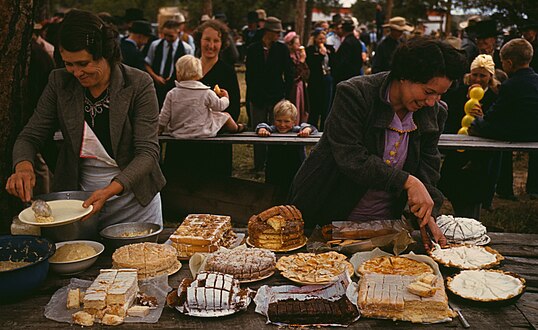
(278, 228)
(313, 311)
(467, 257)
(388, 296)
(486, 285)
(462, 230)
(149, 259)
(112, 292)
(314, 268)
(244, 265)
(203, 233)
(209, 293)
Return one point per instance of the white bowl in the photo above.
(76, 266)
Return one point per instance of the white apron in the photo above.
(97, 170)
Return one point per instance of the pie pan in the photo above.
(453, 266)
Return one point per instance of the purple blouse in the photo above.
(377, 204)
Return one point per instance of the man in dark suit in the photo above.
(130, 46)
(348, 60)
(269, 76)
(162, 57)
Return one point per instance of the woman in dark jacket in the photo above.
(319, 58)
(379, 149)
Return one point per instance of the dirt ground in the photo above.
(519, 216)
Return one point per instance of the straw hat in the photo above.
(400, 24)
(273, 24)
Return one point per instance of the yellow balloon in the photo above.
(470, 105)
(476, 93)
(467, 120)
(463, 131)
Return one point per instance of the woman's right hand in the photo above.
(419, 199)
(22, 182)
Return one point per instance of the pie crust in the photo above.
(467, 256)
(394, 266)
(486, 285)
(314, 268)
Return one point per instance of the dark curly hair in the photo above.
(422, 58)
(215, 25)
(83, 30)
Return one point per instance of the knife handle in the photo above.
(462, 319)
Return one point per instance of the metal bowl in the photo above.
(76, 266)
(114, 235)
(80, 230)
(19, 282)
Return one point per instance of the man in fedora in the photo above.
(529, 31)
(269, 76)
(139, 34)
(486, 40)
(383, 56)
(468, 41)
(348, 59)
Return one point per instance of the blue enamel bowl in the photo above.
(19, 282)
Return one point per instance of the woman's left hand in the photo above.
(99, 198)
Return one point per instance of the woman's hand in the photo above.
(263, 132)
(99, 198)
(322, 49)
(22, 182)
(305, 131)
(302, 55)
(419, 199)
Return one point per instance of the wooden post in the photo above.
(16, 27)
(300, 17)
(388, 9)
(308, 21)
(207, 8)
(448, 22)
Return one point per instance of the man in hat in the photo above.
(130, 46)
(348, 59)
(383, 55)
(335, 32)
(269, 76)
(251, 32)
(486, 39)
(468, 41)
(162, 57)
(262, 17)
(529, 31)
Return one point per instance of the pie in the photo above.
(149, 259)
(462, 230)
(314, 268)
(486, 285)
(467, 257)
(243, 264)
(394, 266)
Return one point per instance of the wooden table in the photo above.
(520, 251)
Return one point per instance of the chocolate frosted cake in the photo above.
(313, 311)
(244, 265)
(278, 228)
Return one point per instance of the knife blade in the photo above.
(463, 321)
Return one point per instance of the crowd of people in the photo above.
(379, 149)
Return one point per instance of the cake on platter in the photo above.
(458, 230)
(467, 257)
(203, 233)
(149, 259)
(401, 288)
(279, 228)
(248, 264)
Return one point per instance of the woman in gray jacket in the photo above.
(379, 148)
(107, 113)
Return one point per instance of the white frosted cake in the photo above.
(462, 230)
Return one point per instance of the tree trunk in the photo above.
(308, 21)
(448, 22)
(388, 10)
(207, 8)
(300, 8)
(15, 38)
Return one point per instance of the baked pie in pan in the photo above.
(467, 257)
(486, 285)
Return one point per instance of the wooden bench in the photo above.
(447, 141)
